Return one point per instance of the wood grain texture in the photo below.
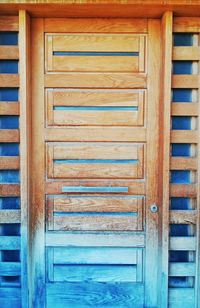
(9, 23)
(10, 216)
(186, 53)
(182, 163)
(182, 269)
(183, 190)
(10, 243)
(185, 81)
(9, 135)
(9, 52)
(182, 243)
(14, 295)
(181, 297)
(9, 190)
(9, 108)
(184, 109)
(186, 24)
(9, 163)
(184, 136)
(9, 80)
(183, 217)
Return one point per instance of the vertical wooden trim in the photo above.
(152, 181)
(38, 167)
(166, 32)
(25, 96)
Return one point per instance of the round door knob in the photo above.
(154, 208)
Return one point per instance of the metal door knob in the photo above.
(154, 208)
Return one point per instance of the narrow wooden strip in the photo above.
(9, 135)
(96, 80)
(183, 190)
(182, 243)
(7, 108)
(182, 269)
(9, 162)
(186, 24)
(95, 255)
(10, 297)
(10, 216)
(96, 25)
(9, 190)
(10, 268)
(95, 240)
(95, 133)
(185, 81)
(9, 23)
(184, 136)
(183, 217)
(185, 109)
(9, 80)
(9, 52)
(183, 163)
(186, 53)
(10, 243)
(181, 297)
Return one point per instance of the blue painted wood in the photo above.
(9, 122)
(182, 95)
(96, 161)
(8, 38)
(181, 123)
(96, 189)
(10, 229)
(181, 149)
(178, 256)
(9, 149)
(10, 297)
(97, 53)
(8, 66)
(182, 67)
(179, 230)
(183, 39)
(180, 203)
(96, 108)
(9, 94)
(9, 176)
(10, 243)
(180, 177)
(90, 295)
(9, 203)
(10, 268)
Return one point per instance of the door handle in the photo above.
(95, 189)
(154, 208)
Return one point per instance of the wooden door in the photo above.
(95, 179)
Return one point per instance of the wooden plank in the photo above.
(9, 135)
(10, 243)
(97, 204)
(183, 217)
(95, 273)
(25, 150)
(182, 163)
(185, 81)
(96, 239)
(9, 162)
(96, 42)
(88, 293)
(182, 243)
(185, 109)
(186, 53)
(9, 190)
(10, 268)
(10, 297)
(10, 216)
(152, 180)
(186, 24)
(95, 25)
(95, 255)
(9, 23)
(9, 52)
(181, 297)
(184, 136)
(181, 269)
(183, 190)
(7, 108)
(96, 223)
(165, 125)
(96, 80)
(9, 80)
(121, 134)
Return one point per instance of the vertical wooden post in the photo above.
(25, 96)
(38, 167)
(166, 30)
(152, 181)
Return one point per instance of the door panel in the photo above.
(98, 165)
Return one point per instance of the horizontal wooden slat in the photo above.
(95, 240)
(95, 133)
(9, 52)
(134, 187)
(9, 80)
(184, 136)
(7, 108)
(182, 269)
(9, 162)
(10, 243)
(183, 163)
(95, 25)
(9, 135)
(182, 243)
(185, 81)
(10, 268)
(9, 190)
(183, 217)
(9, 23)
(101, 273)
(96, 80)
(181, 297)
(184, 109)
(85, 294)
(97, 204)
(10, 216)
(184, 53)
(94, 255)
(183, 190)
(10, 297)
(186, 24)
